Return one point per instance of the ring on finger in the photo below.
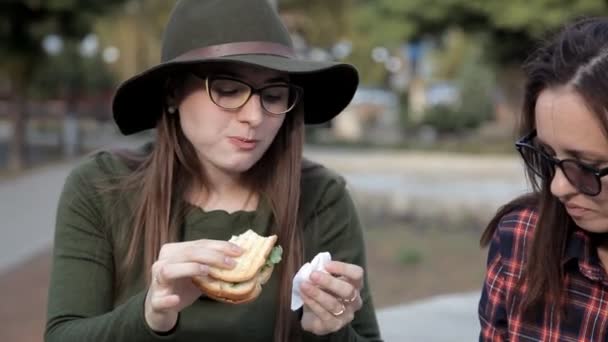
(339, 312)
(353, 298)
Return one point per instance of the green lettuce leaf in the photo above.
(275, 256)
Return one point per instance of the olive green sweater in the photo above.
(84, 306)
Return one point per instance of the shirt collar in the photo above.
(581, 251)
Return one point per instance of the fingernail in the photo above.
(236, 248)
(204, 269)
(315, 276)
(307, 288)
(229, 261)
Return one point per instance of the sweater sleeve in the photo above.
(80, 301)
(492, 305)
(337, 229)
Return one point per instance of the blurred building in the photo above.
(372, 116)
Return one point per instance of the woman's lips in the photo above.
(243, 143)
(575, 210)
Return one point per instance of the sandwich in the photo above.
(243, 283)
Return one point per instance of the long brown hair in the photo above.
(577, 57)
(162, 178)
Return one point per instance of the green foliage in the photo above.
(476, 85)
(535, 17)
(25, 23)
(513, 27)
(23, 26)
(320, 22)
(69, 74)
(409, 256)
(461, 59)
(445, 119)
(449, 120)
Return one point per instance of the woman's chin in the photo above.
(238, 166)
(592, 226)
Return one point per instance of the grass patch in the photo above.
(406, 262)
(408, 256)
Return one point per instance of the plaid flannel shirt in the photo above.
(586, 283)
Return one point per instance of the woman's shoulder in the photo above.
(320, 186)
(93, 169)
(100, 170)
(513, 236)
(317, 177)
(108, 163)
(518, 224)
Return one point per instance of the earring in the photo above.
(171, 109)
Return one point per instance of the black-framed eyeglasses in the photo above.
(231, 93)
(585, 178)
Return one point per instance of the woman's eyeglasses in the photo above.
(583, 177)
(230, 93)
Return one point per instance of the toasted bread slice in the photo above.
(219, 288)
(257, 248)
(234, 293)
(252, 296)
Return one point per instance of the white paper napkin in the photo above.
(317, 264)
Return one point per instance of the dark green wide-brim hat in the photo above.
(239, 31)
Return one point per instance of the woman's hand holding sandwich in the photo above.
(331, 299)
(171, 288)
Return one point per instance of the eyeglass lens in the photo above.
(579, 176)
(232, 94)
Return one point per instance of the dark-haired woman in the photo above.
(547, 265)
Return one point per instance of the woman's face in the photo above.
(568, 129)
(229, 140)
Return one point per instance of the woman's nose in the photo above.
(560, 185)
(252, 111)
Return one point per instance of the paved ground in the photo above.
(28, 212)
(28, 206)
(24, 294)
(447, 318)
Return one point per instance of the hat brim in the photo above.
(328, 88)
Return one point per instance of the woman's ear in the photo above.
(173, 90)
(171, 104)
(171, 109)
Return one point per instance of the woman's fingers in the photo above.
(169, 272)
(211, 257)
(166, 302)
(181, 260)
(338, 286)
(170, 289)
(225, 247)
(310, 296)
(353, 273)
(330, 305)
(215, 253)
(323, 313)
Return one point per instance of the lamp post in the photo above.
(53, 45)
(76, 54)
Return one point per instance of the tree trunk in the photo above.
(511, 82)
(18, 144)
(71, 135)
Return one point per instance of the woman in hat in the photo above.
(229, 102)
(547, 265)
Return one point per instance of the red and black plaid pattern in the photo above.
(586, 302)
